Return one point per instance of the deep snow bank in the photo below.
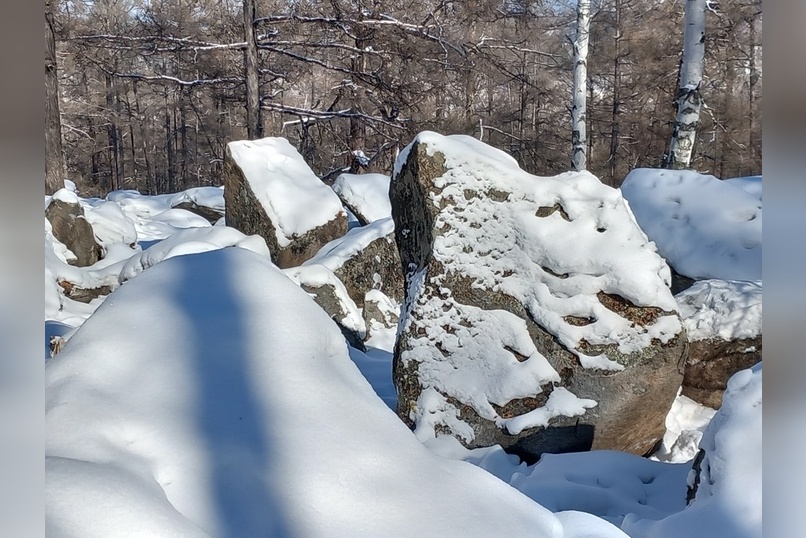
(210, 395)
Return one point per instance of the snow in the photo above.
(366, 193)
(704, 227)
(295, 199)
(729, 496)
(207, 395)
(685, 424)
(335, 253)
(241, 414)
(124, 224)
(721, 309)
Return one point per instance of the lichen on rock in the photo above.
(518, 286)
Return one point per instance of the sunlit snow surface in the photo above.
(209, 396)
(704, 227)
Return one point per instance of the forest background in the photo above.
(151, 91)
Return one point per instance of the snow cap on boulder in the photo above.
(704, 227)
(269, 190)
(537, 315)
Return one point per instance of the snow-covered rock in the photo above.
(365, 259)
(209, 396)
(704, 227)
(71, 228)
(537, 316)
(723, 325)
(366, 195)
(269, 190)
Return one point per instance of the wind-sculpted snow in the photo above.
(704, 227)
(211, 396)
(367, 195)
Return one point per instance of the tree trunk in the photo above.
(754, 141)
(579, 98)
(616, 110)
(55, 171)
(689, 100)
(254, 123)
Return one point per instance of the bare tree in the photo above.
(254, 122)
(579, 99)
(689, 99)
(55, 171)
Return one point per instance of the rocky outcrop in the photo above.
(70, 227)
(536, 314)
(723, 324)
(365, 259)
(270, 191)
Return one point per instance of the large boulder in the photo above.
(270, 191)
(723, 325)
(365, 259)
(536, 315)
(71, 228)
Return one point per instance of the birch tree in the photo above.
(579, 98)
(689, 99)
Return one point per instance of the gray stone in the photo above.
(328, 299)
(72, 229)
(245, 213)
(375, 267)
(447, 301)
(212, 215)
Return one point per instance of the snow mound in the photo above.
(728, 500)
(191, 241)
(721, 309)
(211, 396)
(294, 198)
(212, 197)
(704, 227)
(366, 195)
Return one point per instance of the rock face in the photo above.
(379, 311)
(270, 191)
(536, 315)
(723, 324)
(365, 259)
(72, 229)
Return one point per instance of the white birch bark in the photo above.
(689, 100)
(579, 97)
